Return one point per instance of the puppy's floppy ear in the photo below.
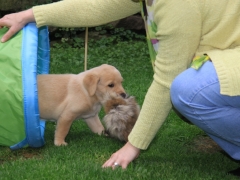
(90, 82)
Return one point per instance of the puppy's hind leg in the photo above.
(63, 125)
(95, 125)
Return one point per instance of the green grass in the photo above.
(172, 154)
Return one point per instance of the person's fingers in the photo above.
(4, 21)
(115, 162)
(115, 165)
(122, 157)
(106, 164)
(124, 165)
(109, 162)
(2, 24)
(15, 22)
(8, 35)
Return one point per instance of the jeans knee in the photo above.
(174, 93)
(178, 92)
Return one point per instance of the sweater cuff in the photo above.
(140, 144)
(38, 16)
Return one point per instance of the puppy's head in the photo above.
(103, 80)
(121, 115)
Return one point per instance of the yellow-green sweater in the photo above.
(185, 28)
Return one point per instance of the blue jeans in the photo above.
(196, 95)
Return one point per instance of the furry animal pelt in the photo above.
(121, 115)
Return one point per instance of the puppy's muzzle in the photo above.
(123, 95)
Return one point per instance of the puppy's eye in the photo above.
(111, 85)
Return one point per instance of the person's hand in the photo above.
(15, 22)
(122, 157)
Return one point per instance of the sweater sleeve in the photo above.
(83, 13)
(179, 31)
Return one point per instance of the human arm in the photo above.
(179, 31)
(83, 13)
(15, 22)
(70, 13)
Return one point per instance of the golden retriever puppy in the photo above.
(121, 115)
(68, 97)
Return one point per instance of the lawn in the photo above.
(179, 150)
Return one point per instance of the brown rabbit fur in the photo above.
(121, 115)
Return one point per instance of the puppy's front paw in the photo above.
(59, 143)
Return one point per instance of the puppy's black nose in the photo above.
(123, 95)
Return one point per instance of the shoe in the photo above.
(235, 172)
